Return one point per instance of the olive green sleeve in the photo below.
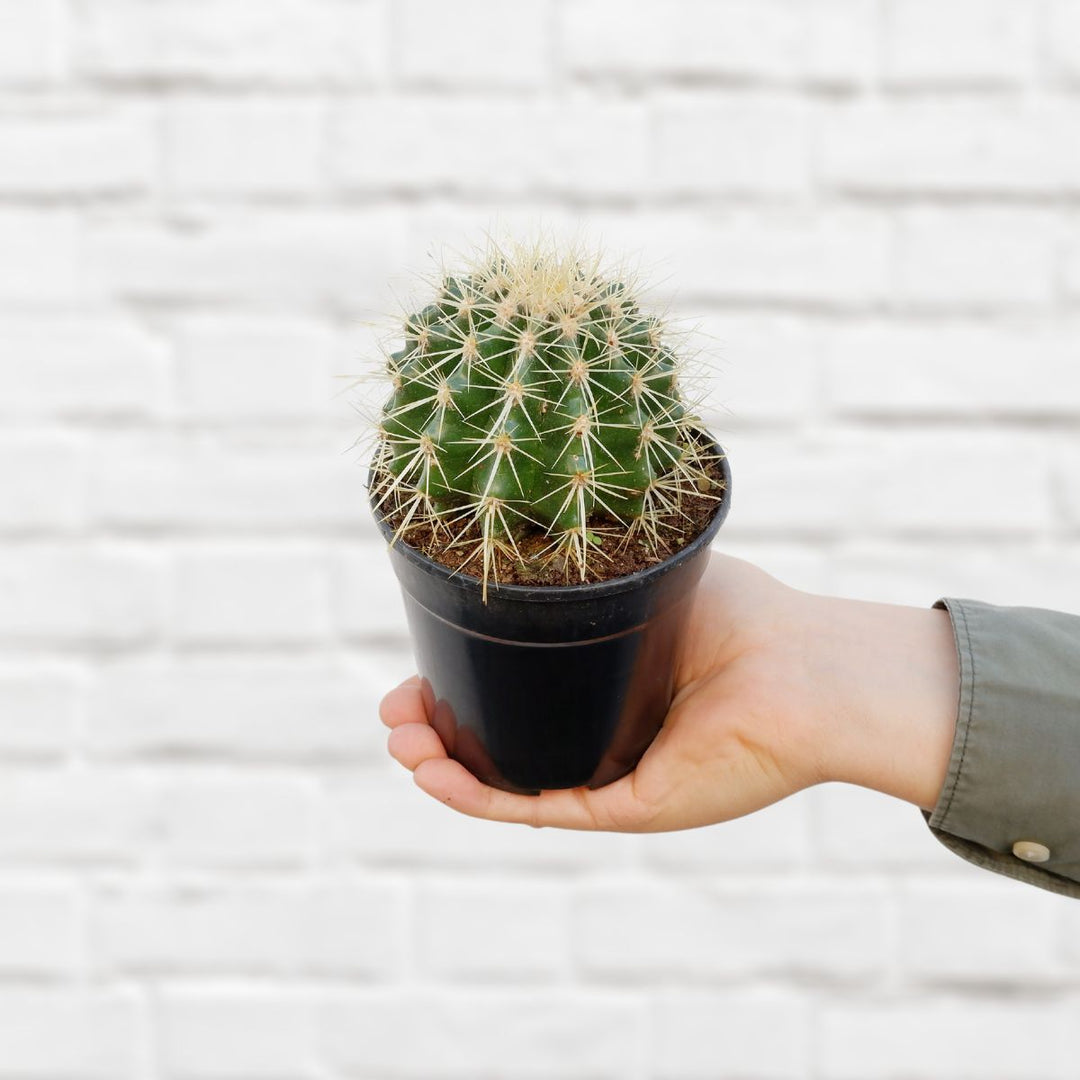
(1011, 798)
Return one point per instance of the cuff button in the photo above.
(1030, 851)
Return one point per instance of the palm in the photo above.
(723, 749)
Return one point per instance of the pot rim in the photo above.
(556, 593)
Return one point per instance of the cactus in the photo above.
(533, 393)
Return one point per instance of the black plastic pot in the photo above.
(550, 686)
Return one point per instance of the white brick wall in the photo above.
(88, 153)
(245, 148)
(209, 866)
(963, 42)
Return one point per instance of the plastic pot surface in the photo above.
(550, 686)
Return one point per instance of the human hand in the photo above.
(775, 690)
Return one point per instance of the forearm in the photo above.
(885, 682)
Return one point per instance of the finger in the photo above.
(404, 704)
(613, 807)
(409, 744)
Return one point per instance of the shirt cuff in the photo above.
(1014, 770)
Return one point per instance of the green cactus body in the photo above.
(534, 393)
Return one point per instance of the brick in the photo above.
(40, 933)
(777, 837)
(270, 258)
(78, 594)
(138, 482)
(1069, 930)
(367, 600)
(1013, 148)
(387, 821)
(237, 821)
(842, 43)
(736, 147)
(833, 260)
(514, 932)
(745, 40)
(95, 154)
(38, 711)
(232, 42)
(35, 44)
(1062, 40)
(92, 816)
(473, 44)
(469, 1033)
(1072, 269)
(79, 367)
(359, 928)
(758, 1035)
(959, 487)
(918, 574)
(459, 228)
(923, 1041)
(43, 481)
(40, 258)
(831, 43)
(965, 42)
(952, 370)
(901, 482)
(225, 708)
(74, 1033)
(780, 256)
(234, 931)
(604, 150)
(789, 487)
(755, 369)
(1066, 480)
(977, 260)
(824, 931)
(243, 148)
(244, 1032)
(413, 145)
(330, 927)
(251, 595)
(859, 830)
(244, 368)
(960, 934)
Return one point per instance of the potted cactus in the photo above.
(549, 496)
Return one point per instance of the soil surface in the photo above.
(611, 560)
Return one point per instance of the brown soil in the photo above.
(613, 559)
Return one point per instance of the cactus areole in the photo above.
(536, 434)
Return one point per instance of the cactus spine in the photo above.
(532, 392)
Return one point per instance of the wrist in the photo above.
(885, 682)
